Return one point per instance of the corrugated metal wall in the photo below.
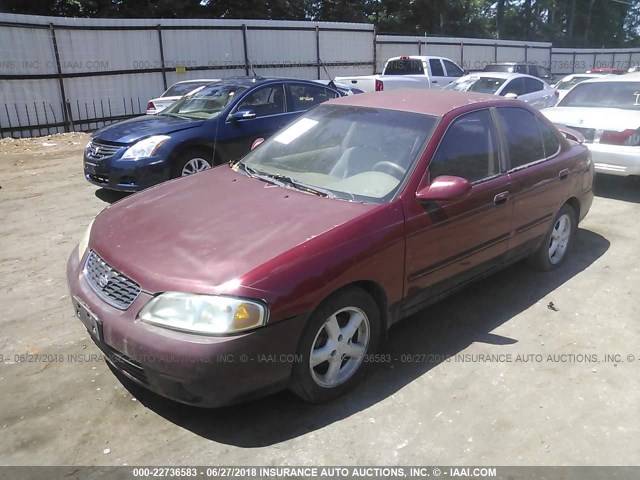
(60, 74)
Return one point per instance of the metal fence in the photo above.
(62, 74)
(66, 74)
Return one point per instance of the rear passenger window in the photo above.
(436, 67)
(303, 97)
(532, 85)
(524, 141)
(549, 139)
(469, 149)
(516, 86)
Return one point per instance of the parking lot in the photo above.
(524, 368)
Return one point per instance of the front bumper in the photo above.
(193, 369)
(619, 160)
(126, 175)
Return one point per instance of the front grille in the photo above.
(587, 133)
(100, 151)
(110, 285)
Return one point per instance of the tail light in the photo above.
(151, 106)
(379, 85)
(626, 137)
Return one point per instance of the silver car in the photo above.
(526, 88)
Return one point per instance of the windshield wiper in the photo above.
(284, 180)
(302, 186)
(175, 115)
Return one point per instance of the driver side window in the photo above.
(265, 101)
(469, 149)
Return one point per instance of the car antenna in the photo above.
(252, 70)
(331, 83)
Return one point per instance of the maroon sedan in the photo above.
(286, 269)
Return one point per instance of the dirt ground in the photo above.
(563, 390)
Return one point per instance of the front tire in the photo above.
(190, 162)
(341, 333)
(558, 242)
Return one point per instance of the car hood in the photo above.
(134, 129)
(212, 229)
(614, 119)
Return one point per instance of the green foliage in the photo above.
(576, 23)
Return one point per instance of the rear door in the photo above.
(540, 175)
(449, 243)
(535, 93)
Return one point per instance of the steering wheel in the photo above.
(391, 168)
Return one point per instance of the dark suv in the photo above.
(520, 67)
(215, 125)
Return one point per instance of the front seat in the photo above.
(356, 160)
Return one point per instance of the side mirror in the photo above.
(257, 142)
(242, 115)
(511, 96)
(444, 188)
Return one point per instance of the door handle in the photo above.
(563, 174)
(501, 198)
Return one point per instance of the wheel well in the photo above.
(575, 204)
(379, 296)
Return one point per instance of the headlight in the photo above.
(84, 241)
(145, 148)
(208, 314)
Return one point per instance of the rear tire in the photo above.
(190, 162)
(342, 331)
(557, 243)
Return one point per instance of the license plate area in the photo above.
(90, 321)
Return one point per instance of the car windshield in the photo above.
(476, 84)
(625, 95)
(180, 89)
(346, 152)
(206, 103)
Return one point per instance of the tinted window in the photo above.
(469, 149)
(516, 86)
(264, 101)
(499, 68)
(533, 70)
(604, 94)
(532, 85)
(436, 67)
(549, 139)
(521, 69)
(524, 141)
(452, 69)
(404, 67)
(303, 97)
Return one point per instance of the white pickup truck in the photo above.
(414, 71)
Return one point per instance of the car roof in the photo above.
(627, 77)
(504, 75)
(428, 102)
(251, 81)
(198, 80)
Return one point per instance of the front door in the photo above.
(449, 243)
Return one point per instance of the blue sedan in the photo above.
(214, 125)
